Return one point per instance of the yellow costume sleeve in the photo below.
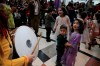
(22, 61)
(5, 52)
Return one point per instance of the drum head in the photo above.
(25, 41)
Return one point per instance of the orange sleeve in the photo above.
(22, 61)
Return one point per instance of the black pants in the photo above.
(59, 55)
(48, 32)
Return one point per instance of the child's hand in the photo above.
(31, 58)
(68, 45)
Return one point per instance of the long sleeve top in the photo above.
(61, 40)
(5, 52)
(48, 20)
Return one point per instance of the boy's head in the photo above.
(63, 29)
(49, 10)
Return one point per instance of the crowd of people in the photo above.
(73, 24)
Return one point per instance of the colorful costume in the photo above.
(6, 53)
(68, 59)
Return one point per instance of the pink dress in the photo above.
(60, 21)
(86, 35)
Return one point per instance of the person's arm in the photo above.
(22, 61)
(76, 42)
(56, 23)
(93, 26)
(68, 45)
(68, 22)
(52, 19)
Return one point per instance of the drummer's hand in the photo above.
(31, 58)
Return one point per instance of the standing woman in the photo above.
(6, 47)
(60, 20)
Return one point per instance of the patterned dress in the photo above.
(68, 58)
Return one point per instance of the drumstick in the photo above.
(37, 43)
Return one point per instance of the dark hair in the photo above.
(3, 24)
(3, 20)
(49, 10)
(83, 15)
(70, 4)
(81, 26)
(2, 1)
(65, 12)
(63, 27)
(98, 17)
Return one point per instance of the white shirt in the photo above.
(36, 8)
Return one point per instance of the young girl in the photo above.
(68, 58)
(60, 20)
(86, 35)
(95, 29)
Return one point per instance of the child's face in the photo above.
(63, 31)
(75, 25)
(60, 12)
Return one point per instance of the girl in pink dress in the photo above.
(68, 58)
(60, 20)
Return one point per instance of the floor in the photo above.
(47, 53)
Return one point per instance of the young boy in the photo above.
(61, 40)
(48, 20)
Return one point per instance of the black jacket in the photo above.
(61, 40)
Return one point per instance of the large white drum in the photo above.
(25, 41)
